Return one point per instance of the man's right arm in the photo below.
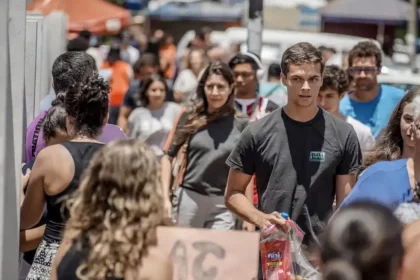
(241, 162)
(236, 200)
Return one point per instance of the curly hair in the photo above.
(366, 49)
(71, 67)
(122, 193)
(335, 78)
(389, 146)
(87, 104)
(197, 114)
(54, 121)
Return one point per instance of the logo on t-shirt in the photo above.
(317, 156)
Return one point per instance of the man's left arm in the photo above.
(348, 167)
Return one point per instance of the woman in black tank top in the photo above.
(123, 195)
(58, 168)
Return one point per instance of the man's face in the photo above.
(329, 100)
(147, 71)
(245, 78)
(303, 83)
(364, 72)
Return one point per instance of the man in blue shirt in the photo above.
(370, 103)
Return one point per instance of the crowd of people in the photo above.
(218, 146)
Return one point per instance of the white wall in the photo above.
(12, 36)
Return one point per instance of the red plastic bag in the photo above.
(275, 254)
(282, 257)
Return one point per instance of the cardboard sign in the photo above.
(203, 254)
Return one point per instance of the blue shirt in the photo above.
(385, 182)
(376, 112)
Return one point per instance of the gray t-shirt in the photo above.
(153, 126)
(296, 164)
(207, 151)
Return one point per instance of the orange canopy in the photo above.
(97, 16)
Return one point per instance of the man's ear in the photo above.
(341, 95)
(283, 77)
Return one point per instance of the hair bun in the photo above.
(340, 270)
(360, 244)
(59, 99)
(87, 103)
(94, 88)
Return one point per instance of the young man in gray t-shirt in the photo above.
(302, 156)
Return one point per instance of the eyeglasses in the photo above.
(358, 70)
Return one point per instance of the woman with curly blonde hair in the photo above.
(113, 218)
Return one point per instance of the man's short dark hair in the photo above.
(78, 44)
(85, 34)
(366, 49)
(71, 68)
(274, 70)
(147, 59)
(301, 53)
(243, 59)
(335, 78)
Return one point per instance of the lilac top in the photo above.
(35, 142)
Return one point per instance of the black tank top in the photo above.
(57, 215)
(70, 263)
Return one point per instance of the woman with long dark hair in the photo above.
(154, 119)
(390, 177)
(395, 141)
(206, 133)
(57, 169)
(122, 194)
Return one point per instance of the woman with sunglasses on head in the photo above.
(154, 119)
(207, 131)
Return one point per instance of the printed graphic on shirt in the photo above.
(317, 156)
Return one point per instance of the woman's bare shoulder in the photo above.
(155, 266)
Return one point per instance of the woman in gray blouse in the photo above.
(152, 122)
(210, 128)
